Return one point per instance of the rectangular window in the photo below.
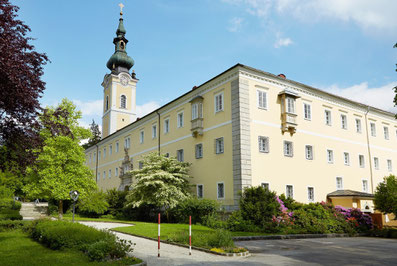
(330, 156)
(219, 145)
(110, 173)
(346, 158)
(154, 131)
(386, 132)
(365, 185)
(99, 177)
(127, 143)
(197, 110)
(327, 117)
(99, 156)
(179, 155)
(358, 125)
(116, 171)
(290, 105)
(221, 190)
(289, 191)
(310, 194)
(343, 120)
(166, 125)
(389, 166)
(265, 185)
(180, 119)
(94, 159)
(141, 136)
(361, 161)
(376, 163)
(199, 151)
(309, 152)
(104, 175)
(110, 149)
(90, 158)
(373, 130)
(140, 165)
(117, 147)
(339, 183)
(307, 111)
(104, 153)
(262, 101)
(219, 102)
(288, 149)
(200, 191)
(263, 144)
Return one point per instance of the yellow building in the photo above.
(246, 127)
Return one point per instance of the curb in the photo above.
(143, 263)
(295, 236)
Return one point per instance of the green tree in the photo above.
(95, 135)
(93, 204)
(162, 182)
(395, 88)
(386, 195)
(60, 165)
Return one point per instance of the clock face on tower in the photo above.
(124, 80)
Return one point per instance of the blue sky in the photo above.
(341, 46)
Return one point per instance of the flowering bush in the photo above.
(361, 221)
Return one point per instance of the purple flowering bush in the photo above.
(361, 221)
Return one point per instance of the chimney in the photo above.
(281, 76)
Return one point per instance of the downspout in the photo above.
(369, 151)
(158, 114)
(96, 164)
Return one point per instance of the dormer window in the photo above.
(123, 101)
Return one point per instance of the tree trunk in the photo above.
(60, 210)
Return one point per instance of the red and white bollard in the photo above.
(190, 235)
(158, 254)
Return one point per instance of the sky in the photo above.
(342, 46)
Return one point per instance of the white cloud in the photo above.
(90, 107)
(282, 41)
(380, 97)
(235, 24)
(144, 109)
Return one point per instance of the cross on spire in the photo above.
(121, 8)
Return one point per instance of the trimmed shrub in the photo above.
(235, 222)
(93, 204)
(197, 208)
(116, 201)
(8, 225)
(10, 214)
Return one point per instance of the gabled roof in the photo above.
(349, 193)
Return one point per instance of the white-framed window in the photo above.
(166, 125)
(127, 143)
(141, 136)
(310, 194)
(358, 125)
(123, 101)
(339, 183)
(307, 111)
(343, 121)
(290, 105)
(117, 147)
(330, 156)
(197, 110)
(309, 152)
(373, 129)
(328, 118)
(110, 173)
(140, 164)
(110, 149)
(179, 155)
(107, 103)
(376, 163)
(365, 185)
(104, 153)
(104, 175)
(200, 191)
(288, 149)
(179, 119)
(219, 102)
(346, 158)
(289, 191)
(361, 161)
(265, 185)
(389, 166)
(98, 177)
(99, 156)
(94, 157)
(263, 143)
(90, 158)
(154, 131)
(116, 171)
(262, 99)
(219, 147)
(220, 189)
(386, 132)
(199, 151)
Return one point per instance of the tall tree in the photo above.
(21, 69)
(60, 166)
(395, 88)
(95, 135)
(386, 195)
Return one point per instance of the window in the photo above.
(262, 102)
(123, 101)
(99, 177)
(140, 165)
(263, 144)
(110, 173)
(141, 136)
(166, 125)
(200, 191)
(117, 147)
(265, 185)
(107, 103)
(358, 125)
(90, 158)
(307, 111)
(309, 152)
(180, 119)
(104, 175)
(99, 156)
(346, 158)
(339, 183)
(179, 155)
(386, 132)
(104, 153)
(167, 155)
(110, 149)
(197, 110)
(361, 161)
(330, 156)
(343, 120)
(288, 149)
(373, 130)
(221, 190)
(389, 166)
(199, 151)
(327, 117)
(94, 159)
(127, 143)
(289, 191)
(154, 131)
(290, 105)
(365, 185)
(310, 194)
(219, 145)
(376, 163)
(219, 102)
(116, 171)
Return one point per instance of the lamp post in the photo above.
(74, 195)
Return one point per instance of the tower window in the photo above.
(107, 102)
(123, 101)
(122, 46)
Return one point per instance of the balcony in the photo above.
(197, 127)
(289, 122)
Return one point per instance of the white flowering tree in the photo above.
(162, 181)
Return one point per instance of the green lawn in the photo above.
(16, 248)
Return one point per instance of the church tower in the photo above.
(119, 87)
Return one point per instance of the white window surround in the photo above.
(123, 101)
(288, 149)
(261, 99)
(265, 184)
(358, 125)
(166, 125)
(290, 105)
(180, 155)
(154, 131)
(289, 191)
(386, 132)
(310, 193)
(179, 119)
(110, 173)
(198, 191)
(197, 110)
(99, 156)
(117, 147)
(263, 143)
(104, 175)
(220, 194)
(330, 156)
(219, 102)
(361, 160)
(199, 150)
(110, 149)
(376, 163)
(389, 165)
(104, 153)
(328, 117)
(307, 111)
(116, 171)
(339, 183)
(141, 136)
(373, 129)
(364, 183)
(343, 121)
(219, 145)
(309, 154)
(346, 158)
